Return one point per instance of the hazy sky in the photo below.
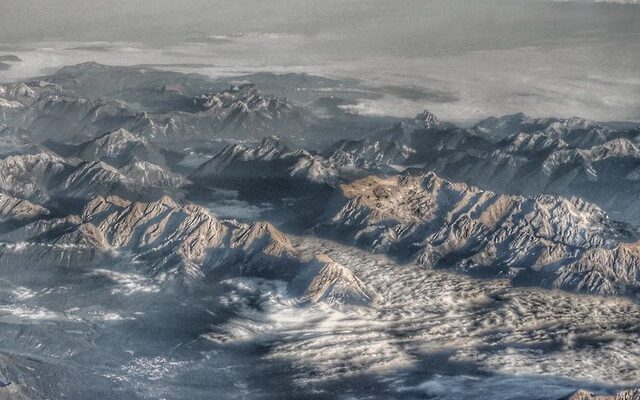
(495, 56)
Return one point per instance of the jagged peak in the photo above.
(168, 201)
(267, 149)
(264, 228)
(427, 118)
(244, 99)
(575, 122)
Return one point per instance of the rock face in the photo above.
(118, 148)
(544, 240)
(427, 118)
(30, 176)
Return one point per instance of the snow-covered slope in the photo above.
(119, 147)
(575, 131)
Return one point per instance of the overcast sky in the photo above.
(495, 56)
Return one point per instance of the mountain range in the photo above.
(538, 199)
(126, 182)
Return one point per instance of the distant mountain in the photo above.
(577, 132)
(302, 88)
(428, 119)
(247, 108)
(270, 159)
(45, 176)
(545, 240)
(120, 147)
(72, 106)
(416, 142)
(152, 89)
(51, 112)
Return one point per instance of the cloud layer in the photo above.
(474, 59)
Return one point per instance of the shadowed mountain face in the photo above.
(165, 235)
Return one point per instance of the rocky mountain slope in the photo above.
(544, 240)
(173, 242)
